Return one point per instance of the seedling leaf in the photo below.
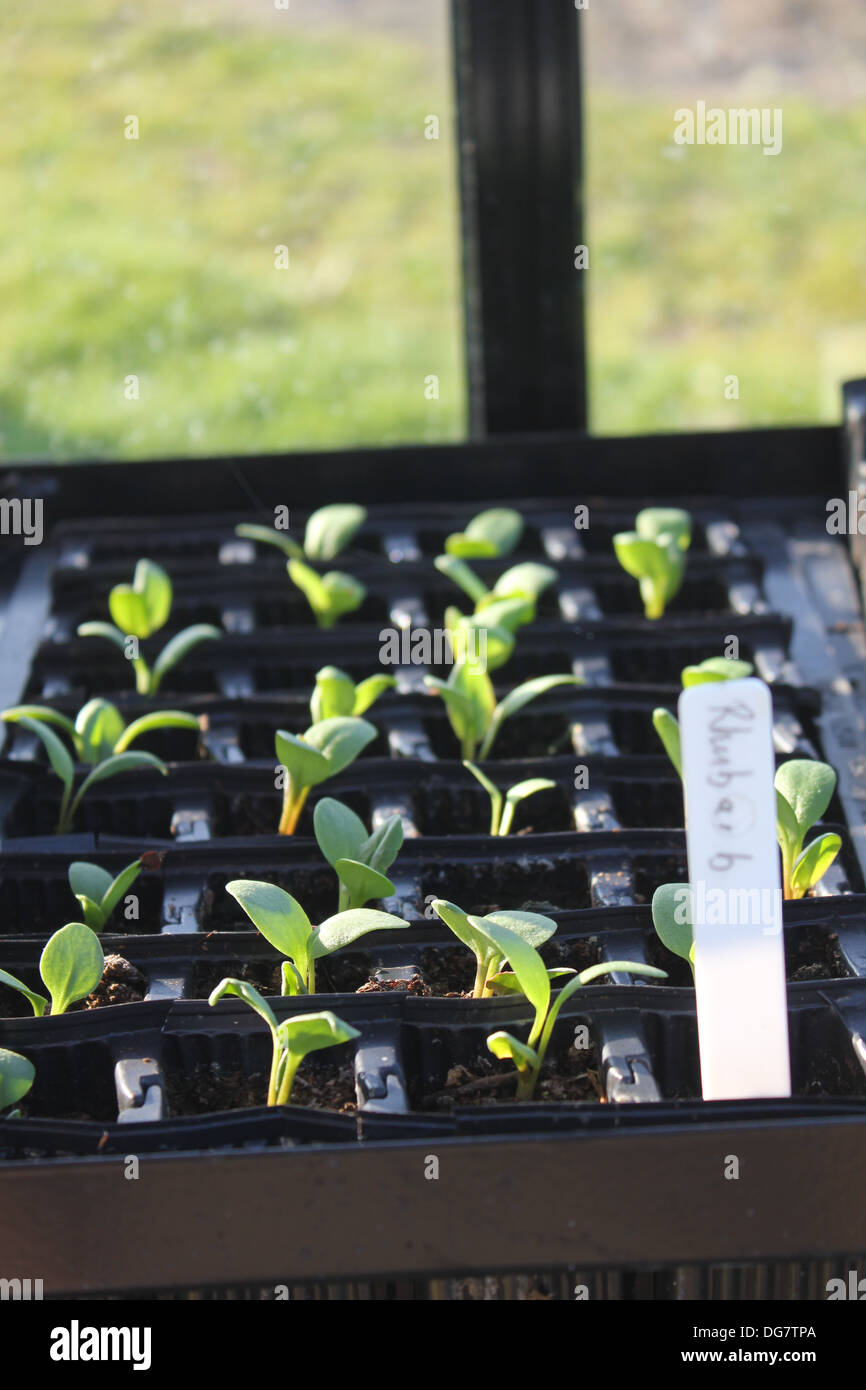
(361, 882)
(493, 532)
(339, 832)
(38, 1002)
(58, 757)
(129, 611)
(813, 863)
(268, 535)
(249, 994)
(668, 731)
(151, 723)
(524, 960)
(40, 712)
(88, 880)
(715, 668)
(516, 699)
(98, 726)
(508, 1048)
(277, 915)
(311, 1032)
(340, 741)
(528, 580)
(329, 530)
(176, 649)
(346, 927)
(305, 764)
(120, 763)
(333, 696)
(382, 847)
(106, 630)
(71, 965)
(16, 1077)
(460, 574)
(367, 692)
(807, 786)
(672, 919)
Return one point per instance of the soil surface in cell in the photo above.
(338, 974)
(441, 810)
(209, 1087)
(121, 983)
(810, 954)
(524, 882)
(573, 1076)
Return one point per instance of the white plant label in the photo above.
(726, 734)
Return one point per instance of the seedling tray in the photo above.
(597, 1187)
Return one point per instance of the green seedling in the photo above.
(715, 668)
(336, 694)
(529, 976)
(475, 932)
(473, 711)
(98, 893)
(139, 610)
(328, 531)
(284, 923)
(502, 809)
(329, 595)
(672, 919)
(64, 767)
(803, 791)
(360, 860)
(510, 604)
(310, 758)
(99, 729)
(489, 535)
(292, 1040)
(16, 1077)
(654, 553)
(71, 966)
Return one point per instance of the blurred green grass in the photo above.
(710, 261)
(155, 257)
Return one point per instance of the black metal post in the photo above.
(519, 119)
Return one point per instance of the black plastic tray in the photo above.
(765, 571)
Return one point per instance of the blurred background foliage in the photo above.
(305, 127)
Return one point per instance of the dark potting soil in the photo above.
(828, 1074)
(810, 954)
(209, 1087)
(660, 662)
(647, 805)
(343, 974)
(573, 1076)
(414, 985)
(448, 970)
(438, 809)
(517, 881)
(651, 871)
(121, 983)
(575, 955)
